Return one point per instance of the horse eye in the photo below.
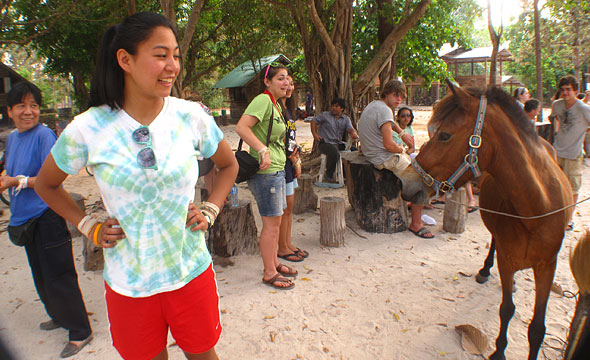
(443, 136)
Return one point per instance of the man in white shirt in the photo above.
(376, 127)
(572, 118)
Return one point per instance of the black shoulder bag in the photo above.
(23, 234)
(249, 166)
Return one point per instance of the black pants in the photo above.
(52, 264)
(332, 152)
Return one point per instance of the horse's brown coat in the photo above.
(519, 176)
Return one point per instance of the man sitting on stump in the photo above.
(333, 125)
(376, 127)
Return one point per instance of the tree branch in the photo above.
(387, 48)
(321, 29)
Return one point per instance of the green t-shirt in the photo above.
(261, 108)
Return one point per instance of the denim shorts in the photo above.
(291, 186)
(269, 191)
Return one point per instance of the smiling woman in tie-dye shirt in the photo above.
(143, 147)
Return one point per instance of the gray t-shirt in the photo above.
(332, 129)
(569, 140)
(373, 117)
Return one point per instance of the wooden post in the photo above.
(455, 215)
(305, 198)
(93, 256)
(333, 224)
(234, 231)
(375, 195)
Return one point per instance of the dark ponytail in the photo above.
(108, 81)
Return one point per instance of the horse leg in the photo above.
(506, 309)
(484, 272)
(543, 281)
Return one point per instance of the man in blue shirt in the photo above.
(333, 125)
(48, 243)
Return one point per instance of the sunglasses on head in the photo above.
(273, 64)
(146, 158)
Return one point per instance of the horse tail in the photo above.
(578, 341)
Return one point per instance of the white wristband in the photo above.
(262, 151)
(86, 224)
(23, 182)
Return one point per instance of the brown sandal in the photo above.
(280, 280)
(290, 271)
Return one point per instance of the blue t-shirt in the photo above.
(25, 153)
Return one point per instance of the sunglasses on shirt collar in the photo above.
(146, 158)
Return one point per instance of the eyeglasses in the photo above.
(146, 158)
(565, 119)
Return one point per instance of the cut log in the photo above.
(375, 195)
(455, 216)
(234, 231)
(333, 224)
(305, 198)
(79, 200)
(93, 256)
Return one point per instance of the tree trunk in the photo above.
(80, 89)
(131, 7)
(495, 38)
(328, 52)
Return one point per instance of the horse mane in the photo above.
(496, 96)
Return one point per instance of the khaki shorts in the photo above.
(573, 170)
(396, 163)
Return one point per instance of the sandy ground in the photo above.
(383, 297)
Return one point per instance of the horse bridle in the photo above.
(470, 162)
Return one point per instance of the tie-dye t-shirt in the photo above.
(158, 253)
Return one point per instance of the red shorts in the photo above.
(139, 326)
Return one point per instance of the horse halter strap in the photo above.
(470, 159)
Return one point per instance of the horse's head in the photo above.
(445, 161)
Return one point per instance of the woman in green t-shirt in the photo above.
(268, 185)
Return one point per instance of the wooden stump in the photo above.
(375, 195)
(305, 198)
(93, 255)
(79, 200)
(234, 231)
(333, 225)
(455, 216)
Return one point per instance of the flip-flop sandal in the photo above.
(471, 209)
(422, 233)
(272, 282)
(290, 271)
(293, 257)
(437, 202)
(303, 253)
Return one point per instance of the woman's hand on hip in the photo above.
(265, 163)
(195, 216)
(110, 233)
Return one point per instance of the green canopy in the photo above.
(244, 73)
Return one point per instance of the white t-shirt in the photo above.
(158, 253)
(569, 140)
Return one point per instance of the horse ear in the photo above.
(458, 92)
(452, 85)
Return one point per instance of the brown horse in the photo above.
(518, 177)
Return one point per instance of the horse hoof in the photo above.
(481, 279)
(497, 356)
